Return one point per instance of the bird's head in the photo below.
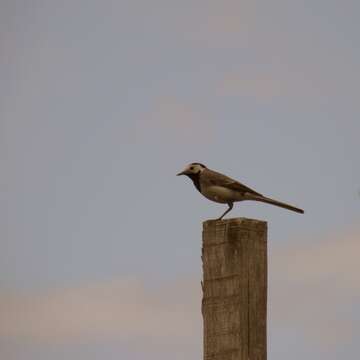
(192, 169)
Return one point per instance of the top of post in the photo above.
(236, 222)
(229, 230)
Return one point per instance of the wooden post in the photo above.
(234, 286)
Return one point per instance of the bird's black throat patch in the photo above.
(195, 179)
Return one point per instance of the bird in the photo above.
(225, 190)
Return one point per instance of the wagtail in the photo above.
(222, 189)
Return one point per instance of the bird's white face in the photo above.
(193, 169)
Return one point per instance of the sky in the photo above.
(103, 102)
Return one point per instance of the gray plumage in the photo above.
(222, 189)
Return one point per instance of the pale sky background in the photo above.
(103, 102)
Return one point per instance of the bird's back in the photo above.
(212, 178)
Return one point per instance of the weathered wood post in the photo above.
(234, 285)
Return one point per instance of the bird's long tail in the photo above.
(277, 203)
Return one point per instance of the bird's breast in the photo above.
(221, 194)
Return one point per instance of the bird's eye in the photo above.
(192, 168)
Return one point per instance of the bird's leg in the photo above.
(227, 210)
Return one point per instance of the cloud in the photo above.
(276, 84)
(223, 23)
(315, 288)
(173, 120)
(261, 87)
(122, 310)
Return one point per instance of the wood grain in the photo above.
(234, 301)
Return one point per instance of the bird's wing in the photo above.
(215, 178)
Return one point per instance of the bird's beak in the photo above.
(181, 173)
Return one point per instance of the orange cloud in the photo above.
(173, 120)
(292, 86)
(115, 310)
(315, 286)
(221, 24)
(258, 87)
(336, 258)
